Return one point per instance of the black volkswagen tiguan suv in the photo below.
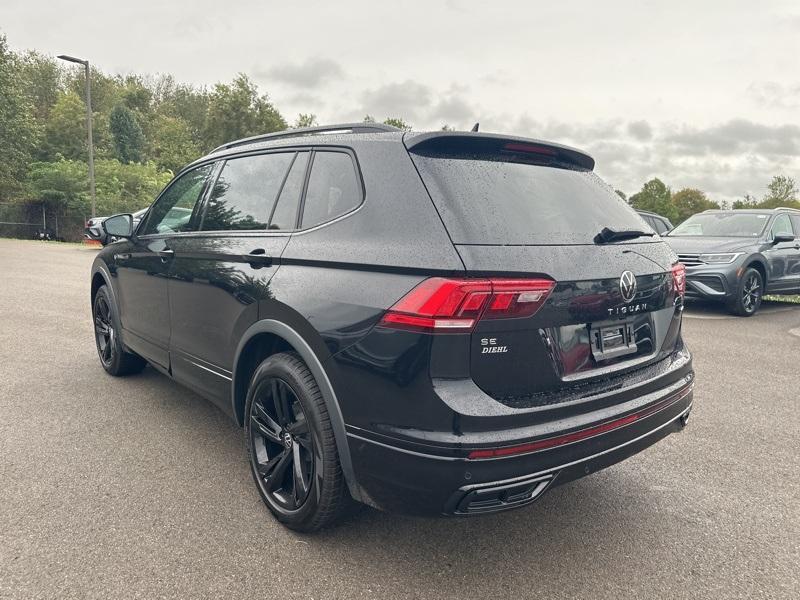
(432, 323)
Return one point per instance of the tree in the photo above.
(781, 191)
(65, 131)
(127, 134)
(18, 129)
(305, 120)
(747, 202)
(689, 201)
(655, 197)
(237, 110)
(397, 122)
(171, 143)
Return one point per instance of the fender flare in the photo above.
(326, 388)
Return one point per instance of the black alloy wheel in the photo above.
(749, 295)
(115, 359)
(282, 446)
(104, 330)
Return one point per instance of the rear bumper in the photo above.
(399, 479)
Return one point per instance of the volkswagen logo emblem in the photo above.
(627, 286)
(287, 439)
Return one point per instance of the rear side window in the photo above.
(245, 191)
(660, 225)
(485, 199)
(284, 215)
(333, 188)
(796, 224)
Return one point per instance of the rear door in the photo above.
(222, 272)
(523, 210)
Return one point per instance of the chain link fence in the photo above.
(36, 220)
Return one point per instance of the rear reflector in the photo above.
(679, 279)
(439, 304)
(583, 434)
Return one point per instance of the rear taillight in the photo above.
(679, 279)
(440, 304)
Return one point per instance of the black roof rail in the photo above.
(300, 131)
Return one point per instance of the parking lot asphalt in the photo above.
(138, 488)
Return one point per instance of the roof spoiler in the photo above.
(464, 141)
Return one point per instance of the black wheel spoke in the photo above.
(301, 482)
(279, 400)
(265, 426)
(275, 479)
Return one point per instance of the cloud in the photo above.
(408, 99)
(312, 73)
(640, 130)
(737, 137)
(775, 95)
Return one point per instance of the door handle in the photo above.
(166, 254)
(258, 258)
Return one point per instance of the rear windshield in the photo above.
(486, 199)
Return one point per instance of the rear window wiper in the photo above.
(614, 235)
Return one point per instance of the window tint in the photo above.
(782, 225)
(243, 195)
(332, 188)
(485, 199)
(285, 213)
(796, 223)
(661, 226)
(172, 212)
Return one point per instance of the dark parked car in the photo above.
(659, 224)
(736, 256)
(94, 227)
(434, 323)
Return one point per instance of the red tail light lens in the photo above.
(679, 279)
(440, 304)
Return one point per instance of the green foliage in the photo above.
(397, 122)
(127, 134)
(65, 130)
(172, 144)
(689, 201)
(236, 110)
(305, 120)
(655, 197)
(120, 187)
(19, 132)
(781, 192)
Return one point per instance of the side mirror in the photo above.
(119, 226)
(782, 237)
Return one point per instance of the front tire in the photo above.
(113, 356)
(748, 295)
(290, 444)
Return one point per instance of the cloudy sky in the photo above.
(701, 93)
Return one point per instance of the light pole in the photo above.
(85, 64)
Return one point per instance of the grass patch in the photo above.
(784, 299)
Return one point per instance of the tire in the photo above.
(748, 295)
(291, 448)
(115, 359)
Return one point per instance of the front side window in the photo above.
(172, 212)
(245, 191)
(782, 226)
(333, 188)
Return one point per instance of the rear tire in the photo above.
(115, 359)
(748, 294)
(290, 444)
